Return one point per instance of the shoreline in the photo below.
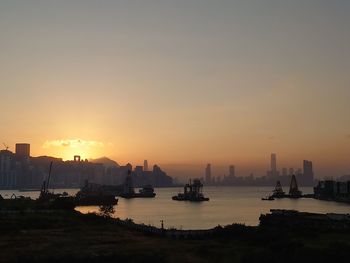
(70, 236)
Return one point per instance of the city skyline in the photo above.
(227, 171)
(21, 170)
(180, 82)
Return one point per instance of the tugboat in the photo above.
(192, 192)
(94, 194)
(146, 191)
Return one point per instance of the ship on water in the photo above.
(294, 191)
(94, 194)
(129, 190)
(50, 200)
(278, 191)
(192, 192)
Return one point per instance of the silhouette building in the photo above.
(23, 150)
(145, 165)
(308, 174)
(208, 173)
(273, 171)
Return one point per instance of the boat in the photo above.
(294, 191)
(278, 191)
(129, 190)
(192, 192)
(94, 194)
(147, 191)
(50, 200)
(268, 198)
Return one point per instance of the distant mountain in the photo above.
(105, 161)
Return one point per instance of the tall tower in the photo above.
(208, 173)
(308, 172)
(273, 164)
(145, 165)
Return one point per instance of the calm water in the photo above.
(227, 205)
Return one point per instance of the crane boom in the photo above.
(48, 179)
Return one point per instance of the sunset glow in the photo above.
(69, 147)
(179, 83)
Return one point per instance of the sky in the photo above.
(180, 83)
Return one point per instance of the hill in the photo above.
(105, 161)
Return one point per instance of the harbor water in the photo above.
(227, 205)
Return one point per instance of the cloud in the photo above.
(73, 143)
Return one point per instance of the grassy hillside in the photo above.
(73, 237)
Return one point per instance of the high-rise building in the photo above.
(308, 174)
(273, 164)
(145, 165)
(232, 171)
(23, 150)
(208, 173)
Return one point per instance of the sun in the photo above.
(68, 148)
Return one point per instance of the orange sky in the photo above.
(179, 82)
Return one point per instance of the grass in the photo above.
(73, 237)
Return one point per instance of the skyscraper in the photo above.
(208, 173)
(273, 165)
(308, 174)
(145, 165)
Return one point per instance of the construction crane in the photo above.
(45, 187)
(6, 146)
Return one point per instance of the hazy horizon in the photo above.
(179, 83)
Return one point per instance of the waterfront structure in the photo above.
(305, 220)
(333, 190)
